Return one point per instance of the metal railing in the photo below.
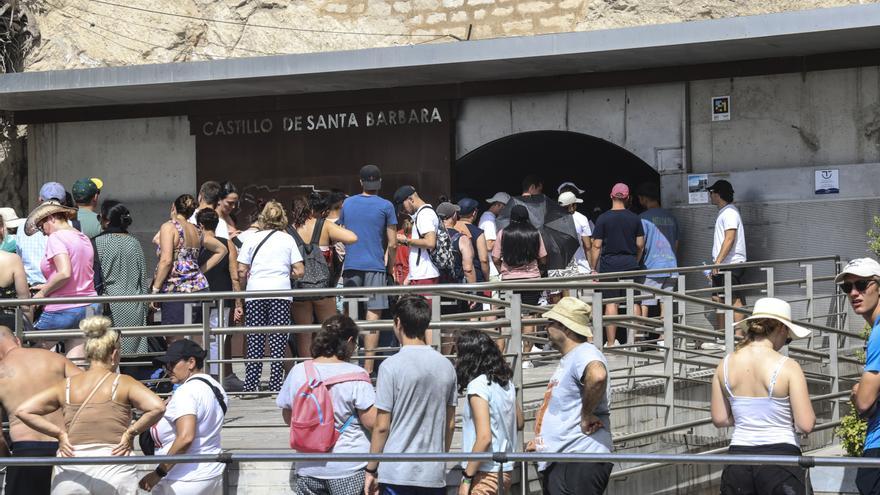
(683, 327)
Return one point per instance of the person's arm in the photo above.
(340, 234)
(238, 312)
(799, 397)
(32, 413)
(22, 291)
(482, 426)
(467, 259)
(377, 446)
(217, 248)
(243, 273)
(391, 250)
(594, 379)
(166, 251)
(428, 241)
(4, 448)
(483, 254)
(866, 392)
(59, 278)
(595, 253)
(722, 416)
(70, 369)
(184, 434)
(726, 246)
(450, 426)
(144, 400)
(520, 420)
(640, 246)
(367, 417)
(297, 270)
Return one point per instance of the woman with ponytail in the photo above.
(354, 408)
(124, 271)
(96, 406)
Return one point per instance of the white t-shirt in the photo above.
(558, 422)
(348, 398)
(271, 268)
(487, 223)
(728, 219)
(583, 229)
(420, 265)
(221, 231)
(502, 419)
(195, 398)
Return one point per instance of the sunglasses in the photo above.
(860, 285)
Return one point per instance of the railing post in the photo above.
(808, 276)
(206, 330)
(436, 334)
(598, 328)
(630, 311)
(669, 362)
(729, 340)
(835, 375)
(514, 346)
(19, 323)
(771, 280)
(682, 305)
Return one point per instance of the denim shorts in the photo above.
(65, 319)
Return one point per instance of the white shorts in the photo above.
(213, 486)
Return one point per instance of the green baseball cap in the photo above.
(84, 190)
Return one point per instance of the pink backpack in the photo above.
(312, 424)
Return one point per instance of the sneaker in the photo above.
(233, 383)
(712, 346)
(527, 365)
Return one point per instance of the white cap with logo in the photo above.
(860, 267)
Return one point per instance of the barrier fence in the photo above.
(676, 353)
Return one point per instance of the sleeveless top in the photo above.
(476, 232)
(100, 422)
(761, 420)
(185, 275)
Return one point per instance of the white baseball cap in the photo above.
(860, 267)
(571, 185)
(568, 198)
(499, 197)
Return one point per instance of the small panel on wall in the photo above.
(827, 181)
(697, 185)
(720, 108)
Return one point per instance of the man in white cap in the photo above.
(487, 223)
(32, 248)
(574, 417)
(570, 187)
(860, 281)
(569, 201)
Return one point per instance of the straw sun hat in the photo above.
(43, 211)
(779, 310)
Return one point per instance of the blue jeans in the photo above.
(385, 489)
(65, 319)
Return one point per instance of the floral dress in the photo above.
(185, 275)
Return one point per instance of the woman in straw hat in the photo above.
(68, 268)
(763, 395)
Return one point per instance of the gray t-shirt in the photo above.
(558, 422)
(348, 398)
(502, 419)
(415, 386)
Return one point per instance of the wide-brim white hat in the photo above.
(10, 218)
(779, 310)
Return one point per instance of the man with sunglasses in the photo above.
(859, 281)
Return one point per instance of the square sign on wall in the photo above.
(720, 108)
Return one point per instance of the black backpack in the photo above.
(317, 272)
(455, 274)
(441, 255)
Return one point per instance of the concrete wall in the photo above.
(145, 163)
(788, 120)
(646, 120)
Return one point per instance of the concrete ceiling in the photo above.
(789, 34)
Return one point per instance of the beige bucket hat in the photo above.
(779, 310)
(574, 314)
(43, 211)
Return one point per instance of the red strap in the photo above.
(358, 376)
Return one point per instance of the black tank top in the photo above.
(476, 232)
(218, 277)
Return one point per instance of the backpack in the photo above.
(312, 423)
(441, 255)
(317, 272)
(456, 274)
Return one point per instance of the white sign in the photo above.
(720, 108)
(828, 181)
(697, 193)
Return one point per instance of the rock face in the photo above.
(93, 33)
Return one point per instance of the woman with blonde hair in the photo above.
(97, 407)
(268, 260)
(763, 395)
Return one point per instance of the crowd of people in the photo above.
(74, 245)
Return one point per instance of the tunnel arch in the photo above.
(592, 163)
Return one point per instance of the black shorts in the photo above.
(868, 479)
(762, 479)
(576, 477)
(530, 297)
(609, 293)
(36, 480)
(736, 278)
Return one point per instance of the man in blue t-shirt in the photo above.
(661, 244)
(859, 281)
(366, 261)
(618, 244)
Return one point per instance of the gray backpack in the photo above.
(317, 272)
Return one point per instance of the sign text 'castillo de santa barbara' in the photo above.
(320, 121)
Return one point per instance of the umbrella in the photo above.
(553, 222)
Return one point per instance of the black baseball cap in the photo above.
(182, 349)
(371, 177)
(468, 205)
(402, 193)
(649, 190)
(721, 186)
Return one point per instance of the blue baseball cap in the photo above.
(468, 206)
(52, 190)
